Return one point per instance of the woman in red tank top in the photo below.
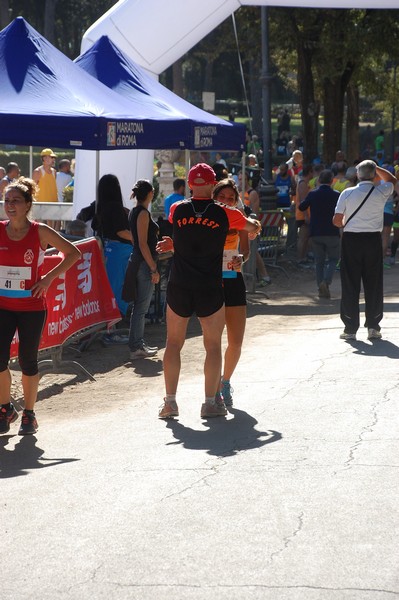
(22, 296)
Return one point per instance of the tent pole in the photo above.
(30, 161)
(97, 172)
(186, 165)
(243, 161)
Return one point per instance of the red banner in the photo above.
(78, 299)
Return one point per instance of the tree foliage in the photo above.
(62, 23)
(328, 57)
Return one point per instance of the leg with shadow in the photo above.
(176, 328)
(212, 329)
(373, 284)
(351, 271)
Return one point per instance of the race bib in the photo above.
(228, 271)
(12, 281)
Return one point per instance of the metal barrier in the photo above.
(50, 356)
(270, 244)
(82, 339)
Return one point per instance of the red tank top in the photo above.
(21, 265)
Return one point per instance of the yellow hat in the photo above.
(48, 152)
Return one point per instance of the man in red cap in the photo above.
(195, 284)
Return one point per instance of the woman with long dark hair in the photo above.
(112, 226)
(142, 273)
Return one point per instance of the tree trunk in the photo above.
(333, 97)
(4, 13)
(352, 123)
(334, 100)
(177, 69)
(309, 105)
(49, 20)
(255, 90)
(208, 86)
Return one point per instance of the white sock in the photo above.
(170, 398)
(210, 400)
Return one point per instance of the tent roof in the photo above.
(47, 100)
(107, 63)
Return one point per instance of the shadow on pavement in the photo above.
(375, 348)
(25, 457)
(225, 437)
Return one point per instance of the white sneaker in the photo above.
(142, 353)
(347, 336)
(374, 334)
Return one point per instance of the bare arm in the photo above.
(244, 245)
(36, 175)
(165, 245)
(125, 234)
(3, 185)
(302, 191)
(338, 220)
(254, 201)
(143, 221)
(385, 175)
(49, 237)
(252, 226)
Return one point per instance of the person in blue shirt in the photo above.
(284, 187)
(178, 194)
(325, 236)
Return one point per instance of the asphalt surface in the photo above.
(293, 496)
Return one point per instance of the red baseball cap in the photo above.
(201, 174)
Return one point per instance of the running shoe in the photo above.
(151, 348)
(347, 336)
(374, 334)
(324, 290)
(213, 409)
(226, 392)
(113, 339)
(264, 281)
(7, 416)
(142, 352)
(168, 410)
(29, 423)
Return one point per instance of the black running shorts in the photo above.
(234, 291)
(203, 302)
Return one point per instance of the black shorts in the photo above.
(234, 291)
(203, 302)
(30, 325)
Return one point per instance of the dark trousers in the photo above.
(361, 261)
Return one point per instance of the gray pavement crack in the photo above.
(213, 471)
(249, 586)
(366, 429)
(288, 539)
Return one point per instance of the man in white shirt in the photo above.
(63, 177)
(360, 212)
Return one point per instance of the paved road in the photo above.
(293, 496)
